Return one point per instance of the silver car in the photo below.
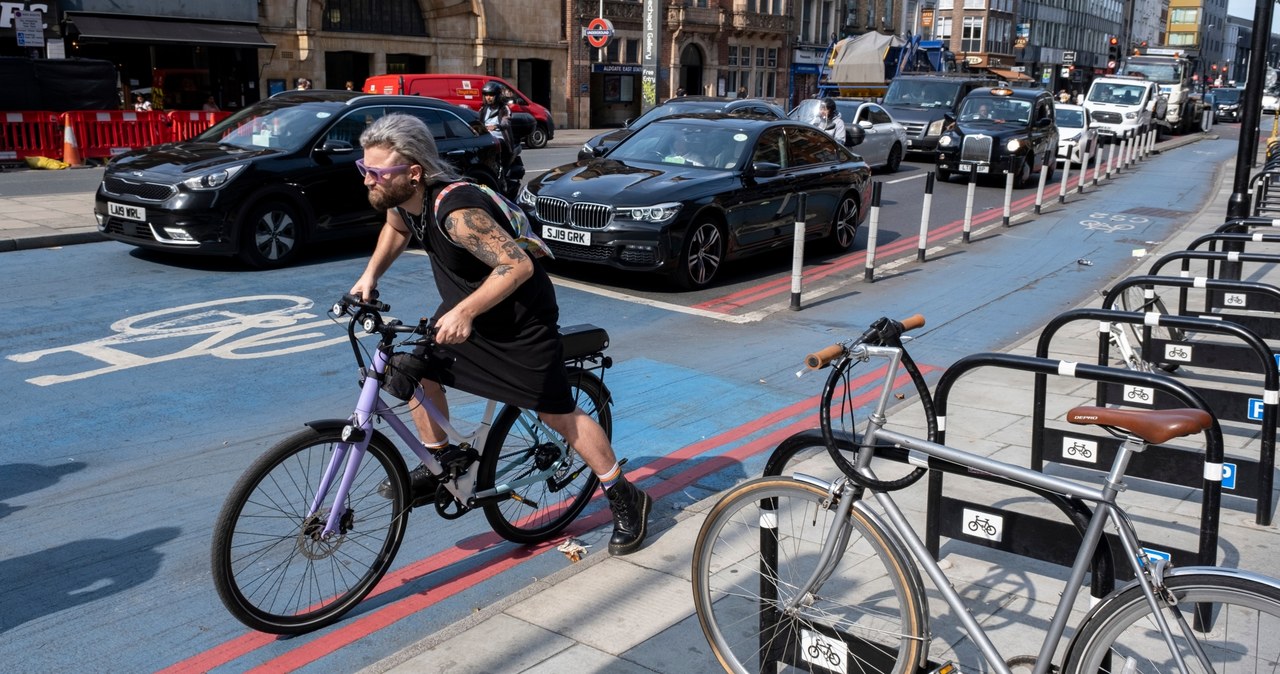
(1076, 133)
(884, 140)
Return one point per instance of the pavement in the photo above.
(635, 613)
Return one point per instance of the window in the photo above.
(975, 4)
(942, 28)
(633, 51)
(945, 4)
(806, 20)
(349, 128)
(971, 37)
(770, 148)
(389, 17)
(807, 147)
(772, 60)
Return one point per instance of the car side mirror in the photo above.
(856, 135)
(763, 169)
(332, 146)
(866, 124)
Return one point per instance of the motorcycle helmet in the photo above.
(492, 88)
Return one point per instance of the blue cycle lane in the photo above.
(141, 389)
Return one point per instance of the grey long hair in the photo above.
(409, 137)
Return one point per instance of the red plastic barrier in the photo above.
(184, 124)
(102, 134)
(30, 134)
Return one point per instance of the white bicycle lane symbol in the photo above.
(1112, 223)
(235, 328)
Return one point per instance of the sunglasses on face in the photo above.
(380, 174)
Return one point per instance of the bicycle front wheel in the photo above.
(272, 569)
(760, 543)
(514, 451)
(1134, 299)
(1235, 621)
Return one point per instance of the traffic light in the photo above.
(1113, 50)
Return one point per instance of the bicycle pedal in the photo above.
(946, 668)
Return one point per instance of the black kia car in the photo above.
(273, 177)
(689, 193)
(1001, 131)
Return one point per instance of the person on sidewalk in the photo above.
(496, 327)
(140, 103)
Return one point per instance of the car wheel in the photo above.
(895, 159)
(537, 139)
(700, 256)
(844, 224)
(1024, 173)
(270, 235)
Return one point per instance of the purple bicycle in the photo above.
(315, 522)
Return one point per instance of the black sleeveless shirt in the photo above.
(514, 353)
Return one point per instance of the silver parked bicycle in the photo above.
(795, 573)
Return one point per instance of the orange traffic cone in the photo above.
(70, 149)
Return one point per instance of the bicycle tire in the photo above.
(1246, 620)
(874, 597)
(270, 574)
(512, 452)
(1134, 299)
(837, 395)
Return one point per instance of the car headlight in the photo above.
(1013, 144)
(944, 141)
(1130, 115)
(525, 197)
(935, 127)
(657, 213)
(214, 179)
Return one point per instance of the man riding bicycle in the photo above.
(496, 332)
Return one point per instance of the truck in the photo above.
(864, 65)
(1173, 70)
(1123, 106)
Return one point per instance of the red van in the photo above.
(464, 90)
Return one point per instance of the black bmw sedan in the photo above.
(686, 194)
(274, 177)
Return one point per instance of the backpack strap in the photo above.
(517, 225)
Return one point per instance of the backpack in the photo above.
(521, 228)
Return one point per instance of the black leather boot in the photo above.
(630, 508)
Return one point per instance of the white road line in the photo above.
(750, 317)
(903, 180)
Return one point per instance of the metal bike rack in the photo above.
(1265, 298)
(1040, 540)
(1243, 477)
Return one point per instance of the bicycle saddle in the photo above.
(1153, 426)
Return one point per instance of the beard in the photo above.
(387, 196)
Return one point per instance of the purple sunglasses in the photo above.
(380, 174)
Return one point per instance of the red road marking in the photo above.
(358, 628)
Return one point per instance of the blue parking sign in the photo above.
(1255, 409)
(1228, 476)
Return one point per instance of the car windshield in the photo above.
(1158, 72)
(1227, 95)
(1119, 94)
(995, 108)
(921, 94)
(271, 123)
(1070, 117)
(678, 144)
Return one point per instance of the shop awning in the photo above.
(159, 31)
(1009, 75)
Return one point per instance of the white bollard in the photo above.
(1044, 176)
(797, 253)
(1111, 151)
(1062, 189)
(925, 209)
(1084, 169)
(1008, 197)
(968, 208)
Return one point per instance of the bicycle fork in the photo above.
(832, 547)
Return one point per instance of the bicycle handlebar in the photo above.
(884, 329)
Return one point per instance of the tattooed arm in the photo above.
(489, 242)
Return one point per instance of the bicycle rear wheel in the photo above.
(1242, 617)
(539, 510)
(272, 570)
(1133, 298)
(759, 543)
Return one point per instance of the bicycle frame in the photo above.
(919, 453)
(359, 432)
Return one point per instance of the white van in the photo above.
(1123, 107)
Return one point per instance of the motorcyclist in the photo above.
(829, 120)
(495, 113)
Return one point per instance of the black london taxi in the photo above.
(1000, 131)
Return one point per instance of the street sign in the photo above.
(1068, 57)
(29, 27)
(599, 32)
